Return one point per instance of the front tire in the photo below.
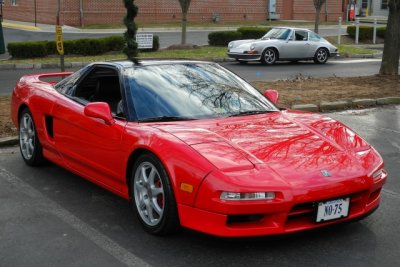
(152, 197)
(30, 147)
(269, 56)
(321, 56)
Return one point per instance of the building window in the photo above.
(364, 4)
(384, 4)
(13, 2)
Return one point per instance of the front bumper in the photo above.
(290, 212)
(244, 57)
(334, 54)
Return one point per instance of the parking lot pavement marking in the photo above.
(352, 61)
(95, 236)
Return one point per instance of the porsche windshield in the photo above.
(191, 91)
(277, 33)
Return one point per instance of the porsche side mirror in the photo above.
(272, 95)
(99, 110)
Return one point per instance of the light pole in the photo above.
(2, 46)
(34, 3)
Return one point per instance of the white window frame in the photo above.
(13, 2)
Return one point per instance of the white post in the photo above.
(357, 29)
(339, 30)
(374, 37)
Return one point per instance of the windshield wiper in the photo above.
(251, 112)
(167, 118)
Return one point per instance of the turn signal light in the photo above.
(247, 196)
(187, 187)
(379, 174)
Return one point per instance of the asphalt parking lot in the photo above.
(50, 217)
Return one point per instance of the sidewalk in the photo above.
(29, 26)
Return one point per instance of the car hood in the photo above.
(244, 45)
(287, 142)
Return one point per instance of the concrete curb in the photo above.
(340, 105)
(9, 141)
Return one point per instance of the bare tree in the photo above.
(391, 50)
(318, 6)
(185, 8)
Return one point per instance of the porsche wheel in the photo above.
(321, 56)
(31, 149)
(152, 196)
(269, 56)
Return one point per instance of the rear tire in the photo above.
(269, 56)
(29, 144)
(152, 196)
(321, 56)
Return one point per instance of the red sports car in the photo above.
(191, 144)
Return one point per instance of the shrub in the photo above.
(222, 38)
(114, 43)
(253, 32)
(380, 31)
(365, 32)
(86, 47)
(27, 49)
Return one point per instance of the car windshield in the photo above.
(191, 91)
(277, 33)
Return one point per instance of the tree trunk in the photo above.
(317, 15)
(391, 50)
(184, 24)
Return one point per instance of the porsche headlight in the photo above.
(230, 45)
(247, 196)
(252, 46)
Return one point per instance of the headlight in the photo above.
(230, 45)
(252, 47)
(247, 196)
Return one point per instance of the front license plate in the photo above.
(333, 209)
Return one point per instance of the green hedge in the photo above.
(27, 49)
(381, 32)
(223, 38)
(253, 32)
(86, 47)
(365, 32)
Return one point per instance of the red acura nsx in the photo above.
(191, 144)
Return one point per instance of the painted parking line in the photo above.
(352, 61)
(86, 230)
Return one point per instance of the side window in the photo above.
(314, 37)
(100, 85)
(66, 85)
(301, 35)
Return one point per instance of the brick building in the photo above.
(87, 12)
